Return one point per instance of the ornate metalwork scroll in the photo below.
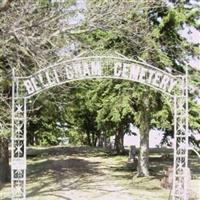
(100, 67)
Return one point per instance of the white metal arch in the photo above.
(95, 67)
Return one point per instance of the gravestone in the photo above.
(132, 153)
(132, 160)
(167, 181)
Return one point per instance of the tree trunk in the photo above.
(88, 139)
(99, 140)
(143, 161)
(4, 160)
(31, 138)
(119, 141)
(94, 140)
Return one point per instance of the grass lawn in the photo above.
(92, 174)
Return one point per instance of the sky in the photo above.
(192, 35)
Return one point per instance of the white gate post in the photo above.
(18, 139)
(180, 177)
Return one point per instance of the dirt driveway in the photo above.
(82, 174)
(89, 175)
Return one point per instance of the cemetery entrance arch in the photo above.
(23, 88)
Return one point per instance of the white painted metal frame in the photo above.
(18, 151)
(19, 120)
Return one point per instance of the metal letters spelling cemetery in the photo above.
(83, 69)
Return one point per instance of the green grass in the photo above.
(92, 174)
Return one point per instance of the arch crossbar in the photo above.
(98, 67)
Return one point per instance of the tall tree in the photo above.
(30, 36)
(147, 31)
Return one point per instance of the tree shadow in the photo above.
(74, 164)
(58, 171)
(69, 151)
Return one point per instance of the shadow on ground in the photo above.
(61, 172)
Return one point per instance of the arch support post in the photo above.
(18, 140)
(181, 177)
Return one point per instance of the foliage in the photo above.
(30, 36)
